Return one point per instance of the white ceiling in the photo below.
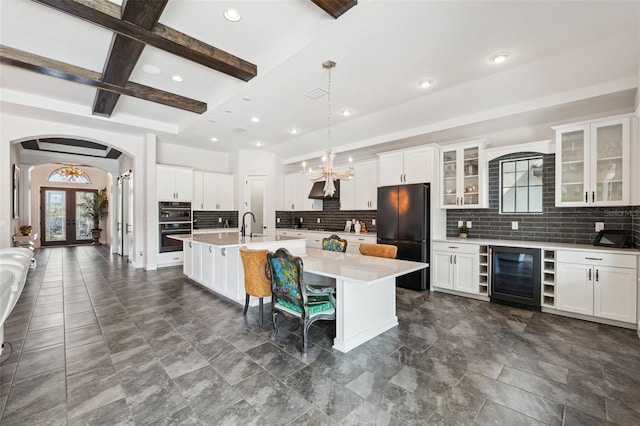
(568, 59)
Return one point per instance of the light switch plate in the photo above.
(469, 224)
(460, 223)
(301, 219)
(277, 220)
(318, 220)
(373, 222)
(219, 220)
(514, 226)
(599, 226)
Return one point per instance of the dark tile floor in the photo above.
(97, 342)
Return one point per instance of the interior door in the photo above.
(62, 221)
(127, 218)
(256, 202)
(118, 209)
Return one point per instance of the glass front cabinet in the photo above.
(592, 164)
(462, 171)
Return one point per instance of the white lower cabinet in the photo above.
(598, 284)
(455, 266)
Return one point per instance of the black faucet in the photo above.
(243, 230)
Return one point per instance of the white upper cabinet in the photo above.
(463, 172)
(414, 165)
(212, 191)
(297, 187)
(174, 183)
(592, 164)
(360, 192)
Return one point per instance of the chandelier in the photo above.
(71, 173)
(327, 172)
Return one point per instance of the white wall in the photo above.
(199, 159)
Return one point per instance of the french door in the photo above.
(61, 218)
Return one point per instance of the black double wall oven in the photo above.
(174, 217)
(516, 276)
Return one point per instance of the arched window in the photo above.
(69, 174)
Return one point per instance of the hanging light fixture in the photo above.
(327, 172)
(71, 172)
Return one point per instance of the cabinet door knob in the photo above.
(597, 275)
(589, 274)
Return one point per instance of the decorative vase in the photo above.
(357, 227)
(462, 235)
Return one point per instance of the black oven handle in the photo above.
(175, 231)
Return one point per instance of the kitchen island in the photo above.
(213, 260)
(365, 285)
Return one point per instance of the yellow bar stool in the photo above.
(256, 282)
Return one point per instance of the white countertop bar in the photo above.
(356, 267)
(231, 239)
(539, 244)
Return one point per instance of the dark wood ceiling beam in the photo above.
(335, 8)
(64, 71)
(124, 52)
(161, 37)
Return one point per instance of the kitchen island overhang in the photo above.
(365, 285)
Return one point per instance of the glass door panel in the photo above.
(84, 223)
(572, 166)
(55, 209)
(471, 177)
(609, 166)
(449, 181)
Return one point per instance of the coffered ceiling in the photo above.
(567, 60)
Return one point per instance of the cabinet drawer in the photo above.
(597, 258)
(359, 238)
(456, 247)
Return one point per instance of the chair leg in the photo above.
(305, 338)
(261, 309)
(275, 326)
(246, 304)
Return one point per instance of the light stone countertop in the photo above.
(356, 267)
(231, 239)
(539, 244)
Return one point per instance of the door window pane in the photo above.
(55, 215)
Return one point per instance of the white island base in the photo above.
(364, 311)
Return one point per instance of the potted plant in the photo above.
(96, 207)
(463, 230)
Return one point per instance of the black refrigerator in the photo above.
(403, 221)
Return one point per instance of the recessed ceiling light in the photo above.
(499, 58)
(228, 111)
(151, 69)
(246, 98)
(294, 131)
(177, 78)
(346, 112)
(255, 120)
(257, 143)
(423, 84)
(232, 15)
(211, 120)
(214, 139)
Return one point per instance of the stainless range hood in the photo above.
(317, 191)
